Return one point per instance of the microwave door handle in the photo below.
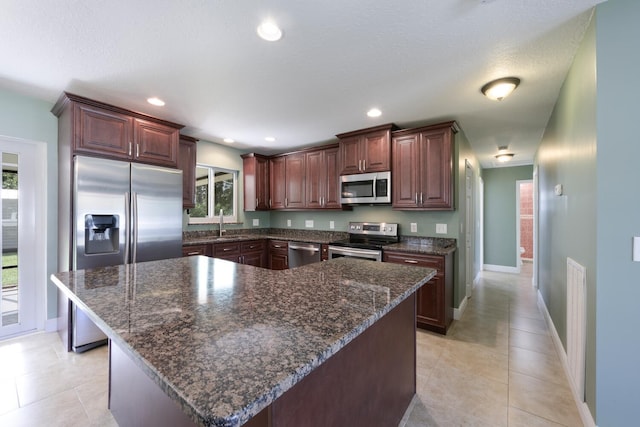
(375, 196)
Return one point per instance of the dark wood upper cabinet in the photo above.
(322, 187)
(103, 130)
(422, 172)
(287, 177)
(366, 150)
(187, 163)
(256, 182)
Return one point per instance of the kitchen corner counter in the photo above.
(426, 246)
(225, 340)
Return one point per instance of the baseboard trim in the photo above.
(51, 325)
(501, 268)
(583, 409)
(458, 312)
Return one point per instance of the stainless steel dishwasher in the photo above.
(303, 253)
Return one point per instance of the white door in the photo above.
(469, 227)
(23, 207)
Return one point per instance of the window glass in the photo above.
(216, 191)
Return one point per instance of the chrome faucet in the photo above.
(221, 222)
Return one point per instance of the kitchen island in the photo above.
(203, 341)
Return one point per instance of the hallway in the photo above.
(497, 366)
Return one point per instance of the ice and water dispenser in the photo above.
(101, 234)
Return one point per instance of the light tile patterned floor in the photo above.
(496, 367)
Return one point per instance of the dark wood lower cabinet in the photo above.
(190, 250)
(278, 255)
(434, 300)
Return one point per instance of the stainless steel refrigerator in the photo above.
(122, 213)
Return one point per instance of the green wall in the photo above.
(618, 213)
(500, 222)
(567, 223)
(28, 118)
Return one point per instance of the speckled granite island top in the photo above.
(225, 340)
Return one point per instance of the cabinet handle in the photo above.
(421, 199)
(269, 202)
(193, 253)
(226, 249)
(359, 165)
(410, 261)
(416, 198)
(137, 150)
(277, 246)
(256, 202)
(129, 148)
(285, 202)
(364, 165)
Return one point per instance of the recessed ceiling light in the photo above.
(269, 31)
(269, 139)
(155, 101)
(374, 112)
(229, 140)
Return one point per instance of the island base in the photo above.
(371, 382)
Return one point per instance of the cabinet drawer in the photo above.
(278, 244)
(195, 250)
(431, 261)
(226, 249)
(252, 246)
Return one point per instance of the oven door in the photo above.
(339, 252)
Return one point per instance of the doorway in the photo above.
(525, 224)
(23, 207)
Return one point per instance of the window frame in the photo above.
(213, 218)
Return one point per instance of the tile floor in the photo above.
(496, 367)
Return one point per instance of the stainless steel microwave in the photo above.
(365, 188)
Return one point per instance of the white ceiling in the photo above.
(419, 61)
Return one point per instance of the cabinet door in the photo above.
(350, 155)
(102, 132)
(404, 174)
(277, 180)
(295, 181)
(430, 304)
(255, 171)
(187, 163)
(155, 143)
(257, 259)
(315, 179)
(278, 255)
(376, 151)
(332, 179)
(437, 168)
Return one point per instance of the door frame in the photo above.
(469, 227)
(32, 223)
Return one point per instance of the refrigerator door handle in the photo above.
(134, 221)
(127, 227)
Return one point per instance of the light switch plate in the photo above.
(256, 222)
(288, 223)
(635, 255)
(441, 228)
(414, 227)
(332, 225)
(308, 223)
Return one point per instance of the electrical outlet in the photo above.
(308, 223)
(256, 222)
(332, 225)
(441, 228)
(414, 227)
(288, 223)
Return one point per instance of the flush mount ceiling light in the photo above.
(374, 112)
(504, 155)
(229, 140)
(500, 88)
(269, 31)
(155, 101)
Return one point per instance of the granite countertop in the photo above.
(424, 245)
(224, 340)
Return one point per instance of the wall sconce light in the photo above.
(500, 88)
(504, 155)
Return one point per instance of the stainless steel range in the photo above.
(365, 241)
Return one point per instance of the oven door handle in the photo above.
(354, 251)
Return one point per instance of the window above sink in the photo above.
(216, 189)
